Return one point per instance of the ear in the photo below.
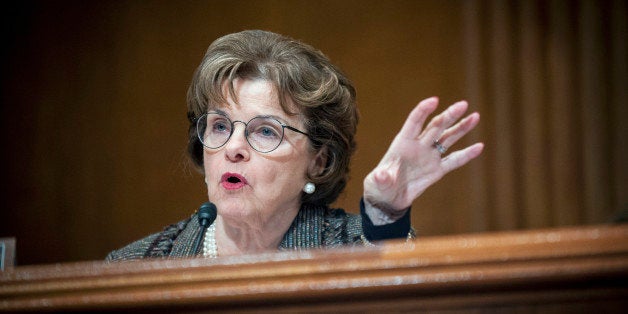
(317, 165)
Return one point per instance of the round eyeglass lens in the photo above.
(213, 130)
(264, 134)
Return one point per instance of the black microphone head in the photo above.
(207, 214)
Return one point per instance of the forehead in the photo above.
(255, 97)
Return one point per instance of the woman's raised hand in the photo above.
(416, 159)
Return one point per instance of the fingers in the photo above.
(444, 120)
(460, 158)
(460, 129)
(442, 127)
(414, 123)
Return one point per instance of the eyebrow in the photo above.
(280, 119)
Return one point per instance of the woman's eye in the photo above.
(267, 131)
(220, 126)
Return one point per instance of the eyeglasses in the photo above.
(263, 133)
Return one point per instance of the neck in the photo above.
(238, 240)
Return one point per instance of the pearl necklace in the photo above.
(210, 249)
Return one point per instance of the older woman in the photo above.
(272, 126)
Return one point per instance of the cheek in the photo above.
(285, 177)
(278, 173)
(209, 163)
(206, 165)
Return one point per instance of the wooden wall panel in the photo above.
(555, 106)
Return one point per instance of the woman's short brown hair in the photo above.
(322, 94)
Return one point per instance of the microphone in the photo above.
(206, 216)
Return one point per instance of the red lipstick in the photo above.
(232, 181)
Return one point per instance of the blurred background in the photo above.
(94, 118)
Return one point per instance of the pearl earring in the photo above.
(309, 188)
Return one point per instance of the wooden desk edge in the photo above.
(592, 260)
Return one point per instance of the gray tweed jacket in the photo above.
(314, 227)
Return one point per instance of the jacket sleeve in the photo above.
(398, 229)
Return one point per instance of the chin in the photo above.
(235, 208)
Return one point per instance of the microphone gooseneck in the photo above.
(206, 216)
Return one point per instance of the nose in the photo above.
(237, 148)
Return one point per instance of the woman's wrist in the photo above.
(381, 213)
(399, 228)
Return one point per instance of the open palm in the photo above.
(412, 163)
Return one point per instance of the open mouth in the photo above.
(232, 181)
